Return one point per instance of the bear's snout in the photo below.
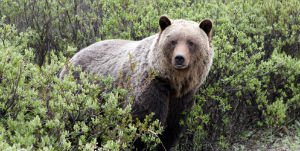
(181, 56)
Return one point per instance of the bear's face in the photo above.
(184, 43)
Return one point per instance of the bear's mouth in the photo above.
(180, 67)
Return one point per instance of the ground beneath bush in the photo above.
(281, 139)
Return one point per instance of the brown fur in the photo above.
(158, 84)
(201, 52)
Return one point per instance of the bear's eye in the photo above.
(173, 42)
(190, 43)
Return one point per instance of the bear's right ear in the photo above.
(164, 22)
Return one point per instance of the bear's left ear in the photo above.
(164, 22)
(206, 25)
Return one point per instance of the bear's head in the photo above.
(183, 51)
(184, 42)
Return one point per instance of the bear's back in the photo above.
(103, 58)
(111, 57)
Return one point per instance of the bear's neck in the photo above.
(182, 82)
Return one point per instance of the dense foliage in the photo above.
(40, 111)
(254, 82)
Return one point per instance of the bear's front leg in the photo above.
(178, 109)
(155, 98)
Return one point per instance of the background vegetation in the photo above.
(253, 86)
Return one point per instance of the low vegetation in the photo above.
(250, 99)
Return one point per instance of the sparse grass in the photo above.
(282, 139)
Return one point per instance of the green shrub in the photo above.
(247, 88)
(254, 82)
(40, 111)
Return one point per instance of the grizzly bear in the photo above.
(165, 70)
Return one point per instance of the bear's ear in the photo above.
(164, 22)
(206, 25)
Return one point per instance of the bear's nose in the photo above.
(179, 59)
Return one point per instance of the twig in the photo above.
(159, 139)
